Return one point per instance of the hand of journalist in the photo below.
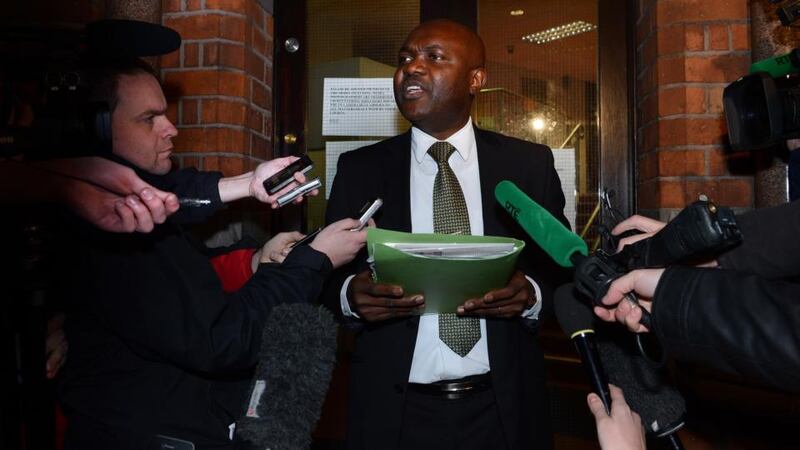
(276, 249)
(640, 282)
(113, 197)
(646, 225)
(339, 243)
(269, 168)
(622, 430)
(251, 184)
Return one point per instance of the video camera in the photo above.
(762, 109)
(46, 109)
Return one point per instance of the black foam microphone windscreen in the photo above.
(298, 352)
(119, 38)
(660, 405)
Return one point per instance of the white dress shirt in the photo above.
(433, 360)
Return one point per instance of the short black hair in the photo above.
(104, 78)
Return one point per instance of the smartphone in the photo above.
(278, 181)
(299, 190)
(367, 211)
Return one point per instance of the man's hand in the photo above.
(119, 214)
(339, 243)
(55, 346)
(251, 184)
(276, 249)
(375, 302)
(117, 200)
(643, 284)
(506, 302)
(270, 168)
(646, 225)
(622, 430)
(112, 197)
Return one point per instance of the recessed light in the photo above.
(517, 12)
(559, 32)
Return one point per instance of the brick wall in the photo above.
(687, 52)
(219, 84)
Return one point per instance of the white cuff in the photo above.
(533, 311)
(345, 304)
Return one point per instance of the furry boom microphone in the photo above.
(298, 351)
(660, 405)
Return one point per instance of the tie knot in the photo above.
(441, 151)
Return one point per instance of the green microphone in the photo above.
(778, 66)
(593, 274)
(548, 232)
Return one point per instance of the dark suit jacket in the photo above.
(382, 357)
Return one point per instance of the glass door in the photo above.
(542, 87)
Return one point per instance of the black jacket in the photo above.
(156, 347)
(745, 317)
(383, 351)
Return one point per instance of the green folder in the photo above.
(446, 283)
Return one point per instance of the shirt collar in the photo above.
(463, 140)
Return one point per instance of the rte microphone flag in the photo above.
(548, 232)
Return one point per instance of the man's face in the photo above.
(436, 77)
(141, 132)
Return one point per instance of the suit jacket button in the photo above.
(398, 388)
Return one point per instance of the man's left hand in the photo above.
(506, 302)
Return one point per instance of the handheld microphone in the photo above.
(576, 320)
(593, 275)
(298, 352)
(564, 246)
(661, 406)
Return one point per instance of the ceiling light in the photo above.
(517, 12)
(559, 32)
(537, 123)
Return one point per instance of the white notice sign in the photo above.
(360, 107)
(565, 167)
(332, 151)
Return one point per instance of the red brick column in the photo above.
(219, 84)
(687, 52)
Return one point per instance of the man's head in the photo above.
(440, 69)
(141, 132)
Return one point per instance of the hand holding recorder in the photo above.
(340, 242)
(270, 181)
(366, 212)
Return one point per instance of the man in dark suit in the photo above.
(468, 380)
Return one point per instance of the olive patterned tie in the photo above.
(450, 216)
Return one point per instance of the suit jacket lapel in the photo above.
(397, 182)
(491, 172)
